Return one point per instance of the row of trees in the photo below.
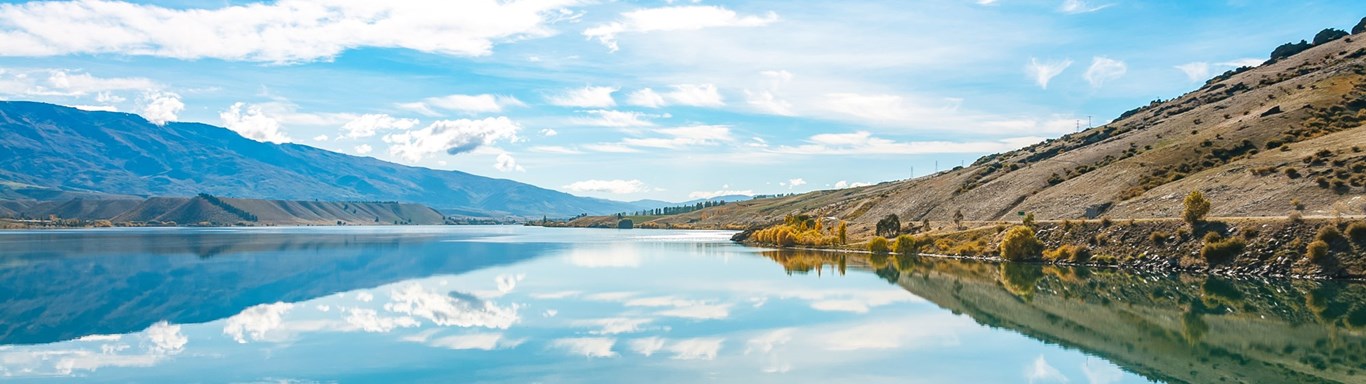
(673, 210)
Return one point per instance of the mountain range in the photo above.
(58, 153)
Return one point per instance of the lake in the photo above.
(527, 304)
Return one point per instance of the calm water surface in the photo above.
(516, 304)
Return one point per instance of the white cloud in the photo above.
(698, 311)
(549, 132)
(480, 341)
(845, 184)
(1244, 62)
(610, 148)
(1099, 371)
(616, 325)
(767, 102)
(1043, 72)
(369, 320)
(161, 107)
(586, 97)
(701, 348)
(791, 183)
(363, 149)
(681, 18)
(365, 296)
(453, 309)
(283, 31)
(646, 97)
(587, 346)
(617, 119)
(256, 322)
(320, 138)
(693, 95)
(1040, 370)
(472, 104)
(69, 83)
(680, 137)
(1195, 71)
(366, 125)
(864, 143)
(556, 149)
(451, 136)
(1104, 69)
(619, 187)
(165, 338)
(96, 108)
(718, 193)
(506, 163)
(646, 346)
(506, 283)
(253, 123)
(1080, 6)
(765, 343)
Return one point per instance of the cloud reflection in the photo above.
(587, 346)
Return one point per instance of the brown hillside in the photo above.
(1252, 141)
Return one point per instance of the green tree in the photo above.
(1196, 207)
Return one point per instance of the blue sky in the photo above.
(655, 99)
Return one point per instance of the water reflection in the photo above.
(1171, 328)
(69, 284)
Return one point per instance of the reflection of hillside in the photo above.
(1167, 328)
(124, 282)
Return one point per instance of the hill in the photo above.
(1259, 142)
(212, 210)
(69, 152)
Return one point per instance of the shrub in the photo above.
(1217, 249)
(1196, 207)
(1317, 252)
(1019, 243)
(626, 224)
(1296, 217)
(878, 245)
(1329, 234)
(1105, 222)
(906, 245)
(1068, 252)
(1357, 232)
(1029, 220)
(1159, 237)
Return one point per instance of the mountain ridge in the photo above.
(71, 150)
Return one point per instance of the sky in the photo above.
(626, 100)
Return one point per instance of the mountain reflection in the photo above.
(1169, 328)
(65, 285)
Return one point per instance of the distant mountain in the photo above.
(212, 210)
(69, 150)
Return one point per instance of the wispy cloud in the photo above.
(1104, 69)
(1043, 72)
(1081, 6)
(618, 187)
(678, 18)
(280, 32)
(586, 97)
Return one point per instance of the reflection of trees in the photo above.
(1168, 328)
(1020, 279)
